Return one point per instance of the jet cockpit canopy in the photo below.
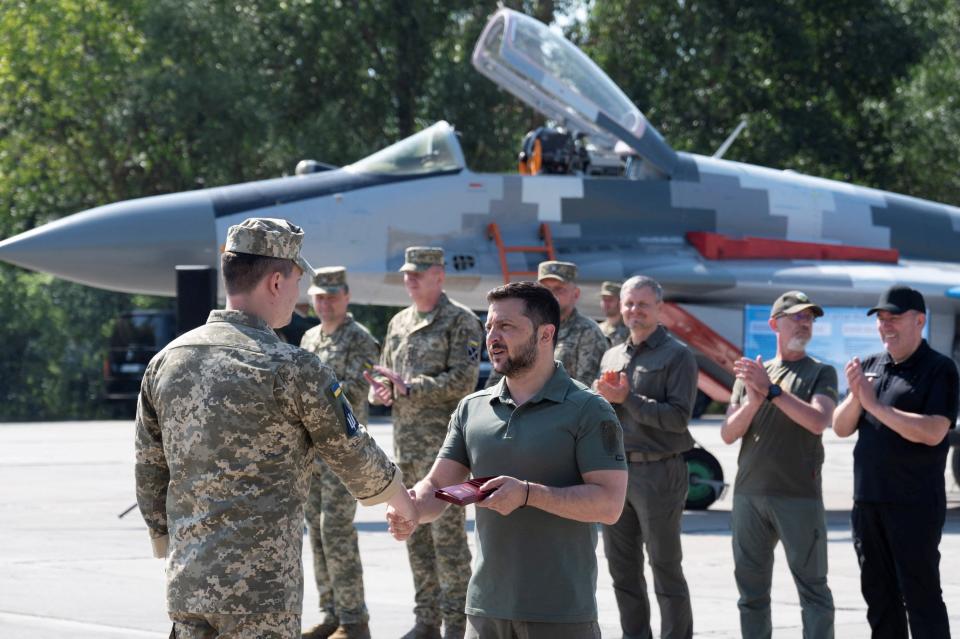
(432, 150)
(541, 67)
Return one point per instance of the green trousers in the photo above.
(758, 523)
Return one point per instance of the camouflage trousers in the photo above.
(208, 625)
(330, 510)
(439, 560)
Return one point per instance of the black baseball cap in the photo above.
(899, 299)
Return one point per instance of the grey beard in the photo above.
(798, 344)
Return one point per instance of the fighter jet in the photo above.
(600, 187)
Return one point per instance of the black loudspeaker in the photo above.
(196, 296)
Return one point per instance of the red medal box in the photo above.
(466, 493)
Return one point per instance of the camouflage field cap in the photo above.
(563, 271)
(269, 237)
(610, 288)
(793, 302)
(327, 280)
(420, 258)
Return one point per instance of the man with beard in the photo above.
(430, 360)
(651, 380)
(779, 409)
(902, 402)
(554, 451)
(612, 324)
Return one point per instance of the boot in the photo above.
(321, 631)
(352, 631)
(423, 631)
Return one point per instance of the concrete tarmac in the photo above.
(70, 567)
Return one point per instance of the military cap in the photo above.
(328, 279)
(563, 271)
(899, 299)
(420, 258)
(610, 288)
(269, 237)
(793, 302)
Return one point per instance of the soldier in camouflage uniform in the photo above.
(229, 422)
(430, 360)
(580, 342)
(349, 349)
(612, 326)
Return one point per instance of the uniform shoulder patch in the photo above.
(351, 425)
(609, 433)
(473, 350)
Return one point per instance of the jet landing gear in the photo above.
(706, 479)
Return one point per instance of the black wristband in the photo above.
(527, 496)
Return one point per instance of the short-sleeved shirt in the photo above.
(779, 457)
(532, 565)
(662, 374)
(887, 467)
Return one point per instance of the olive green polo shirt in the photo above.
(662, 374)
(532, 565)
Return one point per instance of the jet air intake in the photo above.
(548, 72)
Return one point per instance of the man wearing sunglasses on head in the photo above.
(778, 409)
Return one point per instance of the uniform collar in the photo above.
(555, 390)
(239, 317)
(657, 337)
(911, 361)
(569, 320)
(427, 318)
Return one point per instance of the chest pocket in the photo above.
(425, 352)
(649, 380)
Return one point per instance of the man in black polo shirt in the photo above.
(902, 401)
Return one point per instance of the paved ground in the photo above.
(70, 567)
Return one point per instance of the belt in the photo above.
(637, 456)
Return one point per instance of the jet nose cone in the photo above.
(131, 246)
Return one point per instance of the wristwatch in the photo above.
(774, 392)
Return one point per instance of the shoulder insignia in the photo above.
(351, 425)
(473, 350)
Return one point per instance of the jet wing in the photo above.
(541, 67)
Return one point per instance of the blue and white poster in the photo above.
(842, 332)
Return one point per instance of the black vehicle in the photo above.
(137, 336)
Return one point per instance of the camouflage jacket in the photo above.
(228, 423)
(349, 351)
(438, 356)
(616, 333)
(580, 346)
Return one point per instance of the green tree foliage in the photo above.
(105, 100)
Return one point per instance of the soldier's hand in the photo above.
(402, 515)
(613, 387)
(381, 391)
(510, 494)
(394, 378)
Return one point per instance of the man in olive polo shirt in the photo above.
(779, 409)
(651, 380)
(902, 402)
(555, 452)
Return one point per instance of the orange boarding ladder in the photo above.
(704, 339)
(493, 233)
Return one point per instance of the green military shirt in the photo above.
(779, 457)
(617, 333)
(438, 356)
(532, 565)
(662, 374)
(580, 346)
(228, 423)
(349, 351)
